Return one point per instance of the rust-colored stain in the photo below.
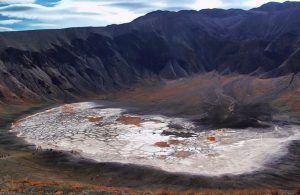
(211, 138)
(69, 108)
(162, 157)
(95, 119)
(183, 154)
(162, 144)
(130, 120)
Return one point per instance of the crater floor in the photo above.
(94, 131)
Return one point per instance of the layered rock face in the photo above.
(68, 63)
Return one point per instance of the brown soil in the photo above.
(228, 192)
(71, 188)
(162, 157)
(130, 120)
(22, 186)
(69, 108)
(174, 142)
(162, 144)
(183, 154)
(95, 119)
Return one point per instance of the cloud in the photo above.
(71, 13)
(39, 12)
(254, 3)
(200, 4)
(147, 6)
(16, 1)
(247, 4)
(43, 25)
(9, 22)
(16, 8)
(131, 6)
(6, 29)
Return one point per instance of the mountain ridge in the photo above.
(67, 63)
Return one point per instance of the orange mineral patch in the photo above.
(130, 120)
(69, 108)
(162, 144)
(95, 119)
(182, 154)
(211, 138)
(162, 157)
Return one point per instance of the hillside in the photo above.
(67, 63)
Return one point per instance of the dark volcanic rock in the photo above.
(66, 63)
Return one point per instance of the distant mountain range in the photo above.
(67, 63)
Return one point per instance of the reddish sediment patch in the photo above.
(69, 108)
(162, 144)
(162, 157)
(130, 120)
(211, 138)
(182, 154)
(95, 119)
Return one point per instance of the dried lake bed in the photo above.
(105, 134)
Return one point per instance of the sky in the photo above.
(49, 14)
